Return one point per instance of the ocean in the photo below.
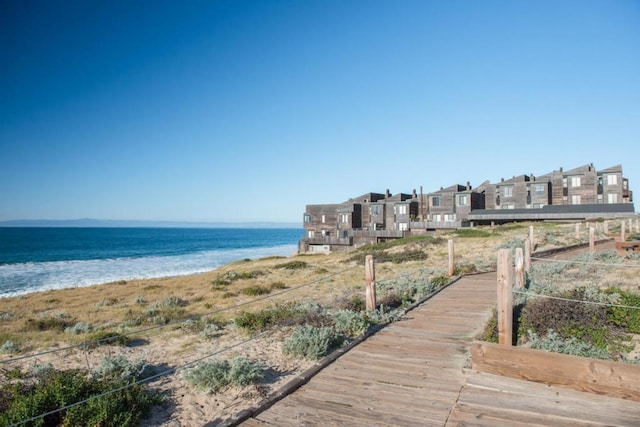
(36, 259)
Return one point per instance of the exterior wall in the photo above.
(539, 194)
(585, 193)
(513, 193)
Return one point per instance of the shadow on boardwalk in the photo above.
(415, 372)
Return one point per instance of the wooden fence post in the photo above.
(519, 268)
(577, 230)
(505, 297)
(531, 238)
(606, 228)
(527, 257)
(370, 281)
(592, 239)
(622, 236)
(637, 226)
(452, 267)
(630, 226)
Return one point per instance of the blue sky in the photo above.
(249, 110)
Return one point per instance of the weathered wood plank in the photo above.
(580, 373)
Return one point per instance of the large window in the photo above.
(435, 201)
(403, 226)
(462, 200)
(449, 217)
(539, 189)
(507, 191)
(324, 219)
(437, 218)
(311, 234)
(576, 199)
(376, 209)
(344, 218)
(575, 182)
(307, 218)
(612, 197)
(612, 180)
(401, 209)
(508, 206)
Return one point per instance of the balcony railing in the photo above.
(327, 240)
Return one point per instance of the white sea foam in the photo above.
(18, 279)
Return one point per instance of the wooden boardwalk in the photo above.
(415, 372)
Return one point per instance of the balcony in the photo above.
(436, 224)
(327, 240)
(379, 233)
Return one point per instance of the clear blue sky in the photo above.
(249, 110)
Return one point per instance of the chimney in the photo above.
(468, 186)
(387, 194)
(414, 195)
(501, 179)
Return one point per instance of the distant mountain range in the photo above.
(89, 222)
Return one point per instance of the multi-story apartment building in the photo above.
(576, 194)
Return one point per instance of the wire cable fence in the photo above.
(419, 274)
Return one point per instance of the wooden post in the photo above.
(592, 239)
(527, 257)
(531, 239)
(637, 226)
(505, 297)
(630, 226)
(577, 230)
(452, 267)
(519, 268)
(605, 225)
(622, 236)
(370, 281)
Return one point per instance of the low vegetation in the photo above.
(567, 308)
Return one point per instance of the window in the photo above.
(401, 209)
(344, 218)
(311, 234)
(612, 197)
(575, 199)
(538, 205)
(462, 200)
(437, 218)
(324, 219)
(507, 191)
(508, 206)
(376, 209)
(435, 201)
(612, 180)
(575, 181)
(449, 217)
(307, 218)
(403, 226)
(539, 189)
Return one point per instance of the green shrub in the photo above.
(79, 328)
(351, 323)
(490, 332)
(49, 323)
(278, 286)
(569, 317)
(56, 389)
(466, 268)
(119, 367)
(292, 265)
(9, 347)
(108, 338)
(310, 342)
(256, 290)
(440, 280)
(625, 317)
(555, 343)
(281, 315)
(216, 375)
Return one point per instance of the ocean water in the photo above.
(36, 259)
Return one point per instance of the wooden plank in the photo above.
(580, 373)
